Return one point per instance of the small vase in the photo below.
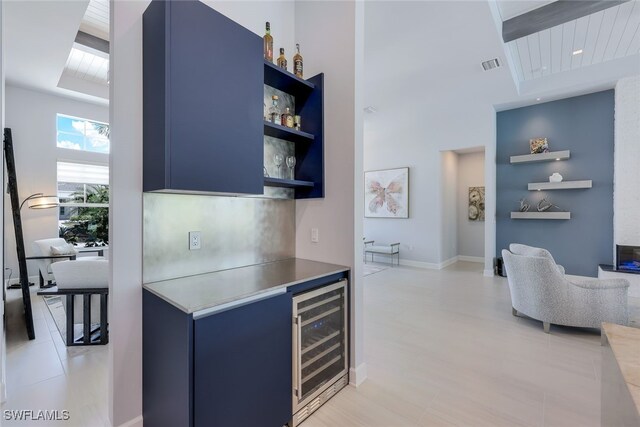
(556, 177)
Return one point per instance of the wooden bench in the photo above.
(391, 249)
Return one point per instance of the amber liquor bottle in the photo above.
(282, 61)
(268, 44)
(287, 118)
(297, 62)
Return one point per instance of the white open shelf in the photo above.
(540, 215)
(542, 157)
(564, 185)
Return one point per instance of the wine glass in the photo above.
(277, 160)
(291, 163)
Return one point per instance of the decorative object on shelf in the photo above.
(297, 122)
(264, 171)
(476, 203)
(265, 112)
(387, 193)
(291, 164)
(277, 160)
(544, 205)
(524, 206)
(555, 177)
(539, 145)
(282, 61)
(287, 118)
(274, 113)
(268, 44)
(297, 62)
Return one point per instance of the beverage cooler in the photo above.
(320, 347)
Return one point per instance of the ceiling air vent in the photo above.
(490, 64)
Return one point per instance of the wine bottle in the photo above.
(287, 118)
(297, 62)
(274, 114)
(282, 61)
(268, 44)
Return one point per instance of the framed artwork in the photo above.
(386, 193)
(476, 203)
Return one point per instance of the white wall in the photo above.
(626, 197)
(470, 233)
(332, 36)
(31, 115)
(448, 205)
(125, 348)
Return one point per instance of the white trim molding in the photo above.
(136, 422)
(488, 273)
(358, 375)
(471, 258)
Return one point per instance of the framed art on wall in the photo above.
(386, 193)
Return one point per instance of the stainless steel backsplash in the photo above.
(236, 231)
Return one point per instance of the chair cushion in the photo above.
(381, 249)
(66, 249)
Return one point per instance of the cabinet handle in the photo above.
(298, 361)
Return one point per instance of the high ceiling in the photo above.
(40, 48)
(598, 48)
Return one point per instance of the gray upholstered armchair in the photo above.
(540, 289)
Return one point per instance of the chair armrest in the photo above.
(73, 291)
(589, 283)
(560, 268)
(394, 244)
(53, 257)
(99, 250)
(369, 242)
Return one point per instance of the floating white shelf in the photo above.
(542, 157)
(564, 185)
(540, 215)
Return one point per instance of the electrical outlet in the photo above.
(195, 240)
(314, 235)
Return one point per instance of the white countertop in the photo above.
(194, 293)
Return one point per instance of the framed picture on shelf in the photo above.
(386, 193)
(476, 203)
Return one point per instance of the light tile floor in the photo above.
(44, 374)
(442, 349)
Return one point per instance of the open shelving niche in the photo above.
(308, 144)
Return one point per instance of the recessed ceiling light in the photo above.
(577, 52)
(558, 159)
(538, 99)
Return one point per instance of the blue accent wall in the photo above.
(584, 125)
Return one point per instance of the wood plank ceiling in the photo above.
(603, 36)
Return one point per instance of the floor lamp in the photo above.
(36, 201)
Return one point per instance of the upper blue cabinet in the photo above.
(203, 101)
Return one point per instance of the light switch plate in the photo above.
(314, 235)
(195, 240)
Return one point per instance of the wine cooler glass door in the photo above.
(320, 337)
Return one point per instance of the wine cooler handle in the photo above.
(298, 373)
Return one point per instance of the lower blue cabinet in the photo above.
(242, 365)
(229, 368)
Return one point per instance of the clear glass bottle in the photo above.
(268, 44)
(297, 62)
(287, 118)
(274, 113)
(282, 61)
(297, 122)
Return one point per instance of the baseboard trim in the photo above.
(136, 422)
(358, 375)
(419, 264)
(467, 258)
(448, 262)
(488, 273)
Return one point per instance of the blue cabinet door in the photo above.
(203, 90)
(242, 365)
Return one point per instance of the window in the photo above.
(81, 134)
(83, 190)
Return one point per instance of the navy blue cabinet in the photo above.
(231, 368)
(242, 362)
(203, 89)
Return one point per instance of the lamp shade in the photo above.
(43, 202)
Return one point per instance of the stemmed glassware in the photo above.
(291, 163)
(277, 160)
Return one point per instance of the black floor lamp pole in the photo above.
(12, 185)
